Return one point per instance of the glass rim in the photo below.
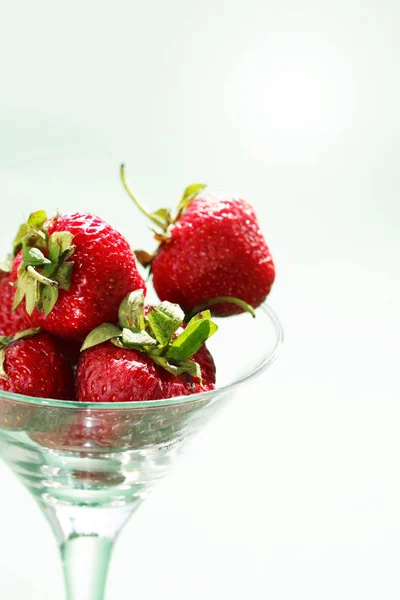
(177, 400)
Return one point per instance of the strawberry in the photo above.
(15, 415)
(80, 434)
(146, 357)
(212, 254)
(73, 272)
(10, 321)
(33, 364)
(88, 431)
(126, 368)
(91, 432)
(110, 374)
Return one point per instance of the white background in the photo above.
(295, 106)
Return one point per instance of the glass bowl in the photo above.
(90, 465)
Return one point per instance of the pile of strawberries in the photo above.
(74, 324)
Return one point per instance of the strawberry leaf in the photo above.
(48, 298)
(188, 366)
(27, 333)
(101, 334)
(54, 249)
(117, 342)
(131, 311)
(37, 219)
(5, 340)
(137, 340)
(144, 257)
(31, 230)
(63, 275)
(198, 330)
(33, 257)
(163, 215)
(17, 244)
(66, 254)
(3, 373)
(162, 238)
(59, 243)
(164, 320)
(201, 316)
(31, 294)
(45, 264)
(64, 240)
(190, 193)
(21, 290)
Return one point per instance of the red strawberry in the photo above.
(73, 272)
(212, 251)
(110, 374)
(10, 321)
(126, 370)
(34, 364)
(14, 414)
(93, 431)
(90, 431)
(147, 359)
(85, 434)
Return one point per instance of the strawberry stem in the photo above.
(229, 299)
(41, 278)
(138, 204)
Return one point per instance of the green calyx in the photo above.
(161, 218)
(5, 341)
(155, 334)
(46, 267)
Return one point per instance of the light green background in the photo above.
(293, 105)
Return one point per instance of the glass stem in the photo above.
(86, 559)
(86, 535)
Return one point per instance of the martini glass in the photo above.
(90, 465)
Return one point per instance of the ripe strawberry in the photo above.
(124, 370)
(15, 415)
(110, 374)
(34, 364)
(73, 272)
(146, 359)
(94, 431)
(10, 321)
(84, 434)
(90, 431)
(212, 254)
